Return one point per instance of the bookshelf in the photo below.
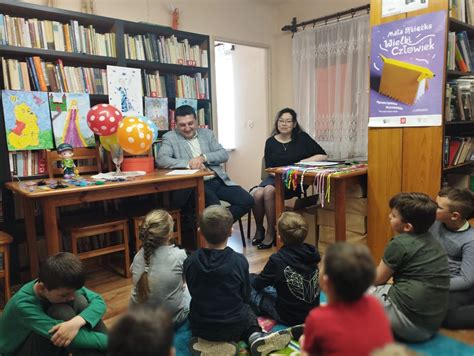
(458, 128)
(110, 46)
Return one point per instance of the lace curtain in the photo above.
(331, 85)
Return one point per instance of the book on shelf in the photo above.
(53, 35)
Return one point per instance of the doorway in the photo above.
(242, 96)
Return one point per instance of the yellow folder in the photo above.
(402, 81)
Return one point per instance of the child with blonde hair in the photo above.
(157, 268)
(288, 287)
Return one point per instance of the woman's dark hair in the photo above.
(294, 117)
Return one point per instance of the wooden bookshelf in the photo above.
(102, 25)
(461, 125)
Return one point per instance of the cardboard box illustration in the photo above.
(402, 81)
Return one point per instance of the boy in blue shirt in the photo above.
(452, 228)
(219, 284)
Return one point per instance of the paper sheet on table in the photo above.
(316, 163)
(179, 172)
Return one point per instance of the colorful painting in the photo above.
(68, 114)
(406, 71)
(125, 89)
(27, 120)
(184, 101)
(156, 109)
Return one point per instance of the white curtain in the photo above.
(331, 85)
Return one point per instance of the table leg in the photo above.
(30, 226)
(51, 231)
(340, 207)
(279, 201)
(200, 205)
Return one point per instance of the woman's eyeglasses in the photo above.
(283, 121)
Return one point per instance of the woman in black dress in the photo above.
(287, 145)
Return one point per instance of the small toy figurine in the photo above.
(65, 151)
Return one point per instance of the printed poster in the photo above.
(394, 7)
(125, 89)
(156, 109)
(69, 117)
(27, 120)
(406, 72)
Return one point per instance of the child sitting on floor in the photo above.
(143, 331)
(352, 323)
(157, 268)
(288, 287)
(416, 302)
(456, 235)
(55, 314)
(218, 280)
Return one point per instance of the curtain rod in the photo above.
(294, 26)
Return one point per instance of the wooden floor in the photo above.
(116, 289)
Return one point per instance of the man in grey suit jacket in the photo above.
(191, 147)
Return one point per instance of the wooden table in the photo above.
(51, 199)
(339, 183)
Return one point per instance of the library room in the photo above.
(237, 177)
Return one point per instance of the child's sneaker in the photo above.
(201, 347)
(296, 331)
(262, 344)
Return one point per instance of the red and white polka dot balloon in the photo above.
(103, 119)
(134, 135)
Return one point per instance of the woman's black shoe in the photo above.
(263, 246)
(259, 236)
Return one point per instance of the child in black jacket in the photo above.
(218, 280)
(288, 287)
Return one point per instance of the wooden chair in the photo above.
(5, 241)
(138, 220)
(226, 204)
(79, 228)
(88, 155)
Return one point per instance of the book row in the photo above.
(36, 74)
(460, 56)
(457, 150)
(53, 35)
(460, 100)
(173, 86)
(462, 10)
(150, 47)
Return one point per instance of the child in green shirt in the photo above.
(416, 302)
(55, 314)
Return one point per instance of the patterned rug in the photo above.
(440, 345)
